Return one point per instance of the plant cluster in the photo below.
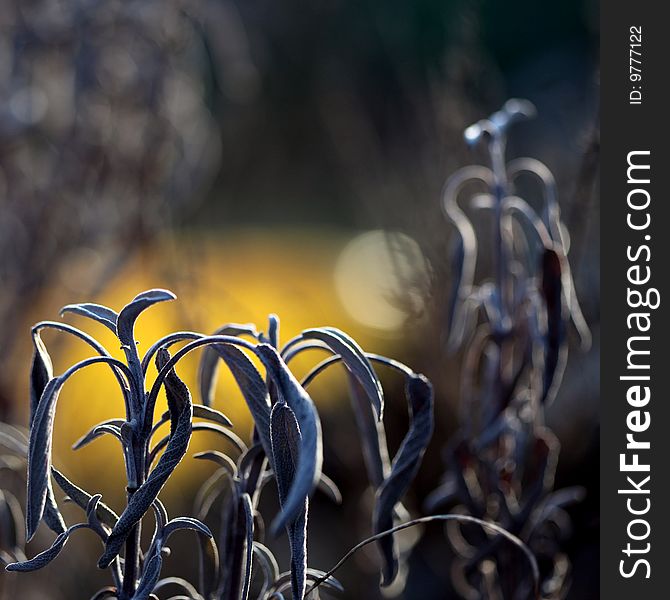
(286, 446)
(512, 331)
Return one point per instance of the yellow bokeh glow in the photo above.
(239, 278)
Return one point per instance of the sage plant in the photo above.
(286, 445)
(512, 331)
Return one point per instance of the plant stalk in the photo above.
(131, 566)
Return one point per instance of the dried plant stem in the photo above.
(447, 517)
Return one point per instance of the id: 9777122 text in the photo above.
(635, 64)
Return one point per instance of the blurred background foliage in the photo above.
(243, 154)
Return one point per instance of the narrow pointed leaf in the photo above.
(252, 386)
(210, 414)
(248, 516)
(150, 575)
(52, 516)
(286, 443)
(126, 321)
(405, 465)
(228, 435)
(209, 363)
(236, 545)
(39, 457)
(44, 558)
(179, 399)
(354, 360)
(112, 427)
(40, 375)
(372, 435)
(220, 459)
(82, 498)
(200, 411)
(185, 523)
(98, 313)
(39, 497)
(176, 391)
(308, 471)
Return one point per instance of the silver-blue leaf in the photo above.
(181, 410)
(286, 443)
(403, 469)
(39, 457)
(39, 499)
(44, 558)
(248, 515)
(41, 373)
(112, 427)
(125, 324)
(209, 363)
(354, 360)
(185, 523)
(97, 312)
(82, 498)
(150, 575)
(252, 386)
(220, 459)
(308, 470)
(372, 435)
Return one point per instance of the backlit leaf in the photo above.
(403, 469)
(286, 443)
(354, 360)
(98, 313)
(126, 321)
(209, 363)
(82, 498)
(44, 558)
(308, 470)
(179, 399)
